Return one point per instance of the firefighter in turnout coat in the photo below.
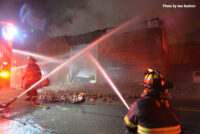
(153, 113)
(31, 76)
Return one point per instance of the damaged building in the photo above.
(125, 55)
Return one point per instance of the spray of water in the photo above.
(108, 79)
(78, 54)
(17, 68)
(23, 66)
(60, 60)
(36, 55)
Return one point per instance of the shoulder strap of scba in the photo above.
(167, 107)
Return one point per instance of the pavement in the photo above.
(86, 118)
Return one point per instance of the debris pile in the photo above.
(78, 93)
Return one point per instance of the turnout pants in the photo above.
(33, 92)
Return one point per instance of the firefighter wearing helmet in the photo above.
(31, 76)
(153, 113)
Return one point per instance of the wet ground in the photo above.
(87, 118)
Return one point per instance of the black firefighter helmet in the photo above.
(156, 81)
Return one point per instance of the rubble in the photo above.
(92, 93)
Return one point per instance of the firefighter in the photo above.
(31, 76)
(153, 113)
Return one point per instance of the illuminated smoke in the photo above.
(81, 17)
(108, 79)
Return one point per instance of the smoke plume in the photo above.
(76, 17)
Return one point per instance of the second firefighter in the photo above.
(31, 75)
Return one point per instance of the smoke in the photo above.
(93, 15)
(74, 17)
(182, 25)
(61, 15)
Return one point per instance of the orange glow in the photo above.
(162, 82)
(4, 74)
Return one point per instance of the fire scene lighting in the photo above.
(108, 79)
(9, 31)
(76, 55)
(4, 74)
